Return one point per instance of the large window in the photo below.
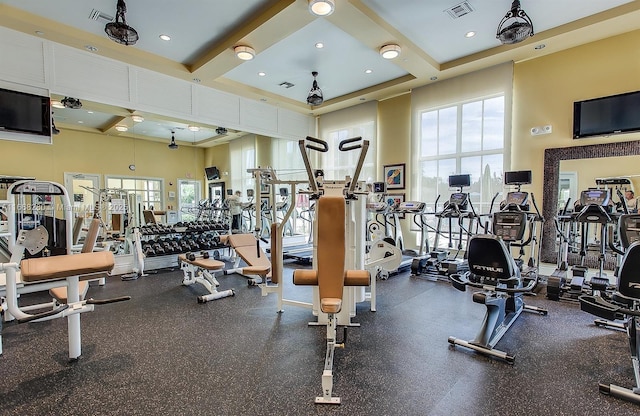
(338, 164)
(243, 156)
(149, 189)
(466, 138)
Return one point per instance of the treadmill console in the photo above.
(411, 207)
(600, 197)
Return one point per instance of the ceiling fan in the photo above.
(119, 31)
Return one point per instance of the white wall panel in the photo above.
(295, 125)
(89, 76)
(218, 107)
(260, 117)
(22, 58)
(161, 92)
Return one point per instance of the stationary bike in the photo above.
(493, 269)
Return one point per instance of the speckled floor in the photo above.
(163, 353)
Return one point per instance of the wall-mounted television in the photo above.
(212, 173)
(24, 116)
(605, 116)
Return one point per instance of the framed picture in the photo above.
(394, 200)
(394, 176)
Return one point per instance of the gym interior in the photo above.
(458, 239)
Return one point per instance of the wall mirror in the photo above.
(553, 158)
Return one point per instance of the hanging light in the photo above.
(515, 26)
(321, 7)
(119, 31)
(315, 94)
(173, 144)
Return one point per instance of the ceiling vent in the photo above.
(99, 16)
(459, 10)
(286, 84)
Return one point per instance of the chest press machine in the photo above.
(330, 273)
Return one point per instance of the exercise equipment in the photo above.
(593, 210)
(247, 248)
(201, 269)
(624, 305)
(493, 269)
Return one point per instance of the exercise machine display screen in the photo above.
(456, 181)
(629, 229)
(595, 197)
(509, 225)
(520, 177)
(411, 206)
(517, 198)
(460, 199)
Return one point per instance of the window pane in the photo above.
(493, 130)
(471, 139)
(429, 134)
(128, 184)
(448, 128)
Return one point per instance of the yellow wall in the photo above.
(394, 134)
(74, 151)
(219, 156)
(545, 89)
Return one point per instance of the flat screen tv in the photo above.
(212, 173)
(24, 115)
(606, 116)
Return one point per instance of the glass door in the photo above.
(189, 199)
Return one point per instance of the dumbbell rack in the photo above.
(162, 243)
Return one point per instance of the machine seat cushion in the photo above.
(60, 293)
(207, 264)
(60, 267)
(245, 247)
(330, 305)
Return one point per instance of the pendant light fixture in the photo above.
(119, 31)
(315, 97)
(515, 26)
(173, 144)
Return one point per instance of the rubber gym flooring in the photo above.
(163, 353)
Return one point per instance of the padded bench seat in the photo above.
(207, 264)
(60, 267)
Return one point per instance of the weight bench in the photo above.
(198, 269)
(331, 278)
(247, 248)
(48, 272)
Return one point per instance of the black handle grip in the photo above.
(343, 144)
(324, 146)
(46, 314)
(105, 301)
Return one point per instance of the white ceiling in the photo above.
(283, 33)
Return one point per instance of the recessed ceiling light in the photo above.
(261, 74)
(470, 34)
(89, 112)
(165, 37)
(368, 71)
(80, 122)
(137, 118)
(319, 45)
(120, 127)
(541, 46)
(193, 128)
(245, 53)
(321, 7)
(390, 51)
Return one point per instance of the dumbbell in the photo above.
(190, 256)
(205, 254)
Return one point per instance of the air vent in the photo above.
(286, 84)
(97, 15)
(459, 10)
